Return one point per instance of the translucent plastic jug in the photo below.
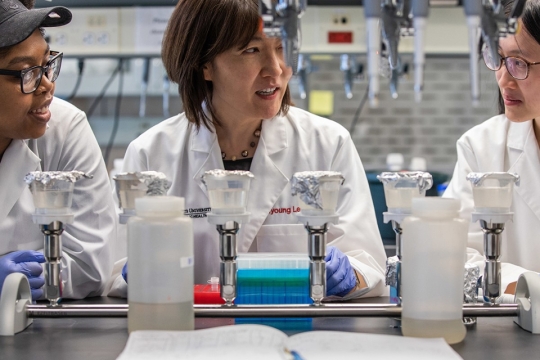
(160, 265)
(434, 252)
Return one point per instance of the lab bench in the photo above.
(104, 338)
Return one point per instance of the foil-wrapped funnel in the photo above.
(230, 174)
(52, 191)
(477, 178)
(132, 185)
(423, 179)
(493, 191)
(227, 190)
(50, 177)
(308, 185)
(401, 187)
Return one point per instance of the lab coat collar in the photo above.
(18, 160)
(205, 154)
(273, 130)
(525, 162)
(270, 180)
(267, 166)
(518, 133)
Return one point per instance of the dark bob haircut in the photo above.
(198, 31)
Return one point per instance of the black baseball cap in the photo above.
(17, 22)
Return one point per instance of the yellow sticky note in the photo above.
(321, 102)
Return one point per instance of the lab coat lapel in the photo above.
(269, 180)
(18, 160)
(524, 160)
(204, 155)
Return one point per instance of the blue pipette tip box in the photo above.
(274, 279)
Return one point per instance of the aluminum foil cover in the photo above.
(306, 185)
(49, 177)
(477, 178)
(223, 173)
(391, 271)
(422, 178)
(156, 182)
(470, 283)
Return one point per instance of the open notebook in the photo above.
(263, 342)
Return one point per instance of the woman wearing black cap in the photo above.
(43, 133)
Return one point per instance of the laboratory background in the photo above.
(429, 129)
(405, 111)
(332, 81)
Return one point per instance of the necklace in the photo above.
(245, 153)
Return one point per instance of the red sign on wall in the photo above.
(340, 37)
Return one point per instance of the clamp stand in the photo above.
(492, 226)
(228, 226)
(16, 295)
(528, 300)
(395, 281)
(317, 227)
(52, 227)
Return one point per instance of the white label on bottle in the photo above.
(186, 261)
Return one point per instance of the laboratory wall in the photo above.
(426, 129)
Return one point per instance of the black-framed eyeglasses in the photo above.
(517, 67)
(31, 77)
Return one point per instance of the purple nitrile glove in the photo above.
(340, 275)
(124, 272)
(26, 262)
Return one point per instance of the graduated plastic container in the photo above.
(56, 195)
(160, 265)
(434, 252)
(493, 192)
(129, 188)
(329, 194)
(227, 192)
(401, 188)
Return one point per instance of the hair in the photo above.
(530, 19)
(28, 3)
(197, 32)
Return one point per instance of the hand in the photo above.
(511, 288)
(340, 275)
(26, 262)
(124, 272)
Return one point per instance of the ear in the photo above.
(207, 71)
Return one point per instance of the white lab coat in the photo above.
(68, 144)
(299, 141)
(499, 144)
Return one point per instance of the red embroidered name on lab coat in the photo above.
(284, 210)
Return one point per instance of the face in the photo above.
(24, 116)
(249, 83)
(521, 97)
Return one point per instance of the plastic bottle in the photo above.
(434, 252)
(160, 265)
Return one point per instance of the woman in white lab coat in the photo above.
(509, 142)
(41, 133)
(233, 82)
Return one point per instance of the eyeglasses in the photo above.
(31, 77)
(517, 67)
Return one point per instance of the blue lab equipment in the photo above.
(273, 278)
